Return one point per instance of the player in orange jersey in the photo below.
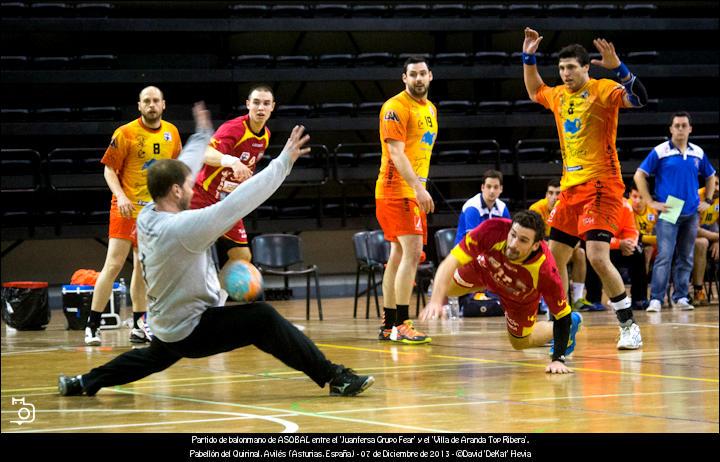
(408, 130)
(231, 158)
(586, 115)
(134, 148)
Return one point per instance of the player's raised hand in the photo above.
(202, 117)
(610, 58)
(532, 41)
(296, 141)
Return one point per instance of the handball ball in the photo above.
(242, 281)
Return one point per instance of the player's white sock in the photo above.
(577, 291)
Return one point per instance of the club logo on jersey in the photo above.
(391, 115)
(572, 126)
(244, 156)
(651, 217)
(418, 224)
(585, 94)
(167, 136)
(428, 138)
(113, 143)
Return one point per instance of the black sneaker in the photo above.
(70, 386)
(347, 383)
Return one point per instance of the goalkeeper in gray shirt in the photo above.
(185, 301)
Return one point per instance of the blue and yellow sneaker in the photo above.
(576, 321)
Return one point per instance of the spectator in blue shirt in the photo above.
(483, 206)
(676, 165)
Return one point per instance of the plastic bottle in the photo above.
(123, 295)
(454, 304)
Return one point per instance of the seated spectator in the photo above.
(482, 206)
(706, 244)
(645, 219)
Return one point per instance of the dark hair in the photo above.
(554, 183)
(261, 87)
(681, 114)
(531, 220)
(163, 174)
(490, 173)
(575, 51)
(415, 60)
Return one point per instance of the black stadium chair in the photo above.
(290, 11)
(335, 60)
(54, 114)
(494, 106)
(455, 107)
(375, 59)
(334, 109)
(259, 60)
(444, 242)
(293, 61)
(491, 57)
(275, 254)
(296, 110)
(448, 10)
(14, 115)
(489, 10)
(639, 9)
(641, 57)
(600, 10)
(571, 10)
(94, 10)
(453, 156)
(368, 266)
(251, 11)
(410, 10)
(94, 113)
(525, 9)
(451, 59)
(333, 10)
(13, 9)
(10, 63)
(369, 108)
(370, 11)
(99, 61)
(51, 62)
(49, 10)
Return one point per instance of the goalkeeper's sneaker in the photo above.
(406, 333)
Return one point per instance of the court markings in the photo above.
(288, 426)
(527, 364)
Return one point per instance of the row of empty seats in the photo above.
(338, 10)
(109, 61)
(370, 109)
(437, 59)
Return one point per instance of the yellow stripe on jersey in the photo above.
(211, 177)
(460, 254)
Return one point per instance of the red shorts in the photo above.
(121, 227)
(236, 233)
(400, 217)
(593, 205)
(520, 318)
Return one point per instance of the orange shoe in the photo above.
(700, 297)
(406, 333)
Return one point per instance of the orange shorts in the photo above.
(121, 227)
(398, 217)
(592, 205)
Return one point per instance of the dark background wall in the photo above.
(71, 75)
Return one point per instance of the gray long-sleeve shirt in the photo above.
(174, 248)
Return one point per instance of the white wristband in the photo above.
(227, 160)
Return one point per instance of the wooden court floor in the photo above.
(467, 380)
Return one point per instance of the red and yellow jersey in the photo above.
(133, 149)
(626, 227)
(234, 138)
(710, 216)
(542, 208)
(404, 119)
(518, 284)
(645, 224)
(587, 127)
